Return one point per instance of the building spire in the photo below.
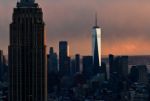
(96, 19)
(27, 1)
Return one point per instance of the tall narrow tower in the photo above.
(27, 54)
(64, 60)
(96, 46)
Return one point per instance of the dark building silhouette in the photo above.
(142, 74)
(134, 74)
(27, 54)
(139, 73)
(103, 69)
(118, 65)
(64, 60)
(67, 66)
(3, 67)
(1, 64)
(111, 64)
(87, 65)
(124, 66)
(121, 65)
(52, 61)
(77, 62)
(73, 67)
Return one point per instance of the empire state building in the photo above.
(27, 54)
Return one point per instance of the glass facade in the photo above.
(96, 45)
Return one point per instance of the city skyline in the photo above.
(79, 36)
(119, 25)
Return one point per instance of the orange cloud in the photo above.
(125, 24)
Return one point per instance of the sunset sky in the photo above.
(125, 24)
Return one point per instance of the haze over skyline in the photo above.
(125, 24)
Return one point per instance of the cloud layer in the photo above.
(125, 24)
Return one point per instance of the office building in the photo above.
(142, 74)
(87, 66)
(1, 64)
(52, 61)
(96, 47)
(77, 63)
(111, 65)
(118, 65)
(27, 54)
(64, 59)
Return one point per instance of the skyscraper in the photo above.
(87, 65)
(72, 67)
(75, 65)
(139, 74)
(134, 74)
(142, 74)
(96, 46)
(118, 65)
(124, 65)
(64, 59)
(52, 61)
(121, 65)
(111, 65)
(27, 54)
(1, 64)
(77, 62)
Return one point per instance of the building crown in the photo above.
(96, 21)
(26, 3)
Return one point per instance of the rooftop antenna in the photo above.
(27, 1)
(96, 19)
